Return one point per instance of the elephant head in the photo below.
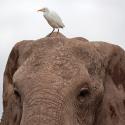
(61, 81)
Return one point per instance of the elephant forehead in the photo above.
(54, 74)
(60, 65)
(63, 61)
(65, 68)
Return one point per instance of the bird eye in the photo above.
(83, 93)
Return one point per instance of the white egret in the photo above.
(53, 19)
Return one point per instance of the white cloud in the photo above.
(92, 19)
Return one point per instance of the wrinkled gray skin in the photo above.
(61, 81)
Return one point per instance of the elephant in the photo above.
(57, 80)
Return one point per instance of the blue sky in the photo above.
(96, 20)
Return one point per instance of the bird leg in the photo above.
(58, 32)
(51, 32)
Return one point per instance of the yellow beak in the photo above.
(40, 10)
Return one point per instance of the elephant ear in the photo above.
(112, 109)
(8, 94)
(11, 67)
(11, 103)
(18, 55)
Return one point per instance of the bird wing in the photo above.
(55, 17)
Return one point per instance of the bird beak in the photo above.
(40, 10)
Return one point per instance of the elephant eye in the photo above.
(83, 93)
(16, 92)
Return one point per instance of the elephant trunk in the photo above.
(42, 109)
(37, 116)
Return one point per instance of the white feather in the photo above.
(53, 19)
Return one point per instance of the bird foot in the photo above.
(50, 34)
(57, 33)
(53, 34)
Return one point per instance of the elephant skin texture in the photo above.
(64, 81)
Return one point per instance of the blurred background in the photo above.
(96, 20)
